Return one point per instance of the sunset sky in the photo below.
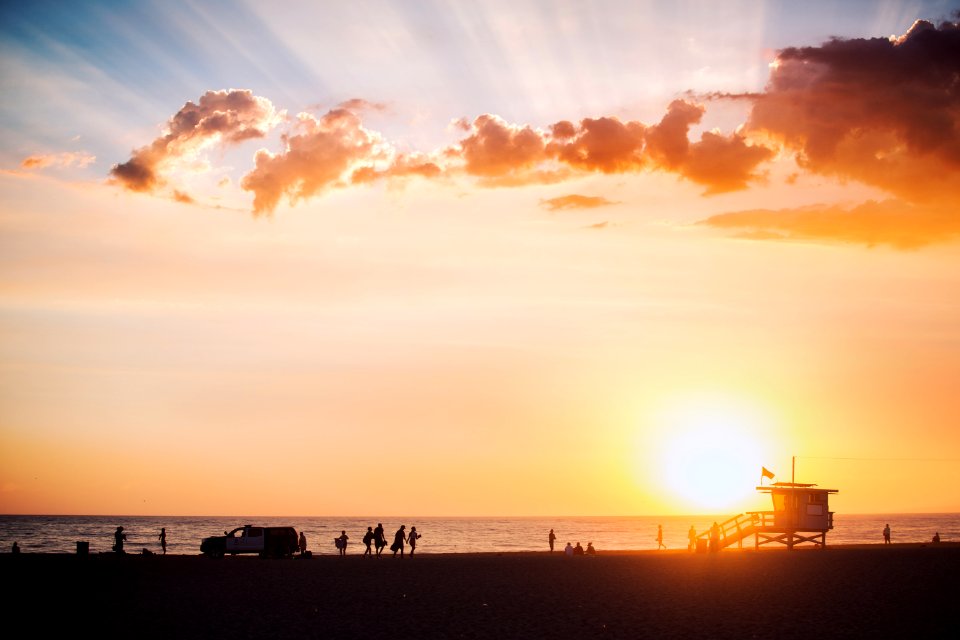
(478, 258)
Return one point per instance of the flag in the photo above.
(766, 473)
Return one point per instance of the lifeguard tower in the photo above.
(801, 513)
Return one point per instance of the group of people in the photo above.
(374, 540)
(571, 550)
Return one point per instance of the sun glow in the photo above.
(709, 454)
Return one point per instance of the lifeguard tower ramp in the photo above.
(800, 514)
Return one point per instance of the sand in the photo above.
(906, 591)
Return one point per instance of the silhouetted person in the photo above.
(118, 537)
(568, 550)
(551, 538)
(936, 538)
(342, 542)
(163, 539)
(302, 543)
(16, 547)
(660, 537)
(590, 550)
(886, 534)
(715, 537)
(398, 539)
(692, 537)
(578, 550)
(379, 539)
(412, 539)
(368, 540)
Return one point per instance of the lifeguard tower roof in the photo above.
(794, 486)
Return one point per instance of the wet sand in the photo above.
(906, 591)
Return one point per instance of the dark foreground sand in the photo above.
(872, 592)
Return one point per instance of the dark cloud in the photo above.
(885, 112)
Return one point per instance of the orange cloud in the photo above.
(576, 201)
(510, 154)
(224, 117)
(317, 157)
(885, 112)
(495, 148)
(890, 222)
(65, 159)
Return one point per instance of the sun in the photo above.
(708, 456)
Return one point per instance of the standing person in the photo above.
(368, 540)
(163, 539)
(398, 539)
(379, 541)
(715, 537)
(302, 543)
(118, 537)
(660, 537)
(886, 534)
(16, 548)
(692, 537)
(551, 538)
(342, 542)
(412, 539)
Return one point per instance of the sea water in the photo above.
(60, 534)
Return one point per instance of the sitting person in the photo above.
(578, 550)
(936, 537)
(568, 550)
(590, 550)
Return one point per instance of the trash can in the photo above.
(701, 545)
(83, 547)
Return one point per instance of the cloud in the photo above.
(495, 149)
(317, 156)
(359, 104)
(182, 197)
(501, 153)
(890, 222)
(882, 111)
(576, 201)
(219, 117)
(65, 159)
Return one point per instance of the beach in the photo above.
(907, 590)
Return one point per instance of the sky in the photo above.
(473, 259)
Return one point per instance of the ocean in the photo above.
(60, 534)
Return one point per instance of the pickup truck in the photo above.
(274, 542)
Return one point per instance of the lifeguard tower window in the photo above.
(818, 498)
(814, 509)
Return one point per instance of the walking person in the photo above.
(163, 539)
(398, 539)
(341, 542)
(412, 540)
(692, 538)
(551, 539)
(367, 541)
(660, 537)
(379, 540)
(118, 537)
